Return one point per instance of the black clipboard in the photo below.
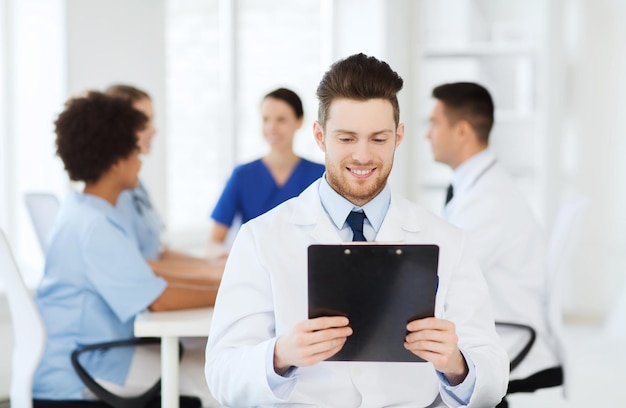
(380, 288)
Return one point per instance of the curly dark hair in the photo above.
(94, 132)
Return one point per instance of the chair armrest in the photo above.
(515, 361)
(105, 395)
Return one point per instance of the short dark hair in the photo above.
(361, 78)
(290, 97)
(467, 101)
(94, 132)
(128, 92)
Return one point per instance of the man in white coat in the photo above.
(484, 201)
(264, 351)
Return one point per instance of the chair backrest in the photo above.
(43, 209)
(561, 247)
(29, 333)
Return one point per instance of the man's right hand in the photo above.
(310, 342)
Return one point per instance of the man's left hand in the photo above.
(435, 340)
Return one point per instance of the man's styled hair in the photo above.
(358, 77)
(467, 101)
(94, 132)
(128, 92)
(290, 98)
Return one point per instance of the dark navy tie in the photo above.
(449, 194)
(355, 221)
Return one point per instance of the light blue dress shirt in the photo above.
(338, 208)
(95, 282)
(146, 225)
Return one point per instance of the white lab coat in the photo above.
(264, 293)
(511, 251)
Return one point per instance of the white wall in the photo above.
(113, 41)
(591, 156)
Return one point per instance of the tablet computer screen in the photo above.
(380, 288)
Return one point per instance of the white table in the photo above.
(170, 326)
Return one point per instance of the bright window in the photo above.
(213, 100)
(34, 88)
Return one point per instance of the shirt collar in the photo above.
(103, 206)
(338, 208)
(466, 174)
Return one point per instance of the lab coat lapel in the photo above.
(400, 224)
(309, 214)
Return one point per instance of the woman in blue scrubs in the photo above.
(256, 187)
(96, 280)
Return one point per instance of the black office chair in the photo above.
(107, 399)
(151, 398)
(551, 377)
(523, 352)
